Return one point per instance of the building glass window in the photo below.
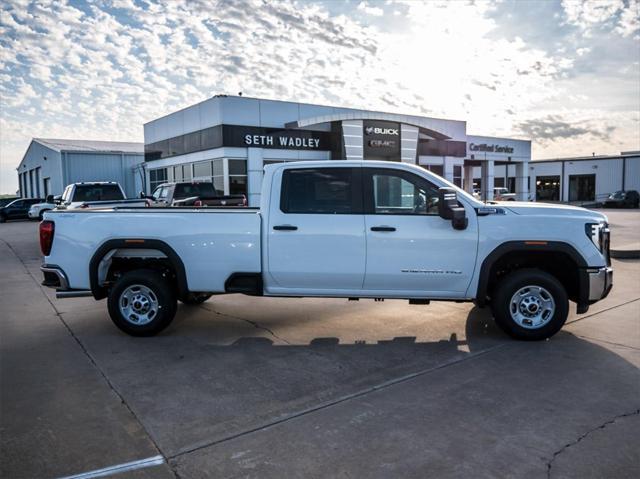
(157, 177)
(457, 175)
(192, 142)
(177, 173)
(176, 146)
(31, 184)
(217, 179)
(186, 172)
(202, 169)
(237, 176)
(46, 182)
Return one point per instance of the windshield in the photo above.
(97, 193)
(187, 190)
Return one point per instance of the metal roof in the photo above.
(92, 146)
(624, 154)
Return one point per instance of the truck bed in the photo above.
(214, 241)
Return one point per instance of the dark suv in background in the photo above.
(192, 193)
(18, 209)
(623, 199)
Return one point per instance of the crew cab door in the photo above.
(410, 249)
(315, 232)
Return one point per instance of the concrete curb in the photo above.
(625, 253)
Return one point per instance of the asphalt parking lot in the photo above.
(265, 387)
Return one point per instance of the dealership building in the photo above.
(229, 139)
(49, 165)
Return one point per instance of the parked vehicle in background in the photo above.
(348, 229)
(18, 209)
(623, 199)
(7, 200)
(503, 194)
(36, 211)
(192, 193)
(97, 194)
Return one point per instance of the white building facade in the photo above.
(229, 139)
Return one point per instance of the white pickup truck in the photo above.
(95, 194)
(347, 229)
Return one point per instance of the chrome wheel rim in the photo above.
(532, 307)
(138, 305)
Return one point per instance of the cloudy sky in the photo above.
(565, 74)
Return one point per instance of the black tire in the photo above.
(161, 290)
(193, 299)
(514, 282)
(3, 219)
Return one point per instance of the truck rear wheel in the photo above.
(530, 304)
(142, 303)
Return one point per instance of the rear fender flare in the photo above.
(100, 292)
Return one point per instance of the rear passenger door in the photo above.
(315, 233)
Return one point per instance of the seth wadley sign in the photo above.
(280, 140)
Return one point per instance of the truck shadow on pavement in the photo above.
(193, 394)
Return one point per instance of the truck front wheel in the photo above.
(530, 304)
(142, 302)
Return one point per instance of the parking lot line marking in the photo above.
(118, 468)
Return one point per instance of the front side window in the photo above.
(395, 192)
(320, 191)
(164, 192)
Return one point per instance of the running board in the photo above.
(77, 293)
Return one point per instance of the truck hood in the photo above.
(547, 209)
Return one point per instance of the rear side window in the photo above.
(321, 191)
(97, 193)
(193, 189)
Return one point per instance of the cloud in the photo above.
(554, 127)
(100, 70)
(590, 14)
(370, 10)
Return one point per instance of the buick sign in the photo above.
(374, 130)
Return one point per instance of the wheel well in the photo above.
(557, 263)
(116, 257)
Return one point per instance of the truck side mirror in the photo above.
(57, 199)
(449, 209)
(49, 199)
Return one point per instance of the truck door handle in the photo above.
(285, 228)
(382, 228)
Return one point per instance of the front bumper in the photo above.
(600, 283)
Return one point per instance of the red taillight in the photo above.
(197, 203)
(47, 228)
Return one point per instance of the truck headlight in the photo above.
(598, 233)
